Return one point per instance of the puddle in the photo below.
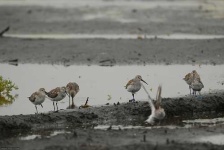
(204, 121)
(30, 137)
(120, 127)
(51, 134)
(168, 124)
(176, 36)
(214, 139)
(101, 84)
(54, 133)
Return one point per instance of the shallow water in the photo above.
(100, 3)
(168, 125)
(46, 135)
(214, 139)
(102, 84)
(120, 127)
(177, 36)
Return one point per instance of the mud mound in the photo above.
(189, 107)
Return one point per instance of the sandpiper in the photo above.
(188, 78)
(72, 89)
(196, 84)
(37, 98)
(157, 112)
(134, 85)
(56, 95)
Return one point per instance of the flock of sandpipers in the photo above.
(157, 112)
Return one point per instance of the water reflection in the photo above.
(214, 139)
(4, 101)
(179, 36)
(98, 82)
(43, 134)
(6, 86)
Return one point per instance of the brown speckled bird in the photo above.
(189, 79)
(134, 85)
(72, 89)
(56, 95)
(37, 98)
(196, 84)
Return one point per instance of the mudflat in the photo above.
(116, 126)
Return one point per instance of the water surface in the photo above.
(102, 84)
(174, 36)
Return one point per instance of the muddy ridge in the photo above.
(206, 106)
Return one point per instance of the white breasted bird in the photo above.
(196, 84)
(157, 112)
(37, 98)
(56, 95)
(134, 85)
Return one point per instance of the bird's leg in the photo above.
(133, 97)
(194, 92)
(36, 108)
(190, 89)
(41, 105)
(132, 100)
(54, 106)
(73, 101)
(57, 106)
(69, 101)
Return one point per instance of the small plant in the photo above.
(6, 86)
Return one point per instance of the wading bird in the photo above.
(188, 78)
(37, 98)
(134, 85)
(56, 95)
(72, 89)
(157, 112)
(194, 81)
(196, 84)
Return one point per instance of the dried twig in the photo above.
(3, 31)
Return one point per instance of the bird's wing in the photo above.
(76, 87)
(129, 83)
(158, 97)
(53, 93)
(201, 83)
(32, 98)
(150, 100)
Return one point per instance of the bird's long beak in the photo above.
(144, 81)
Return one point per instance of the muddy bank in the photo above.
(116, 17)
(112, 52)
(177, 109)
(113, 17)
(77, 127)
(123, 139)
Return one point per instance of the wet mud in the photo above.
(80, 124)
(77, 129)
(106, 52)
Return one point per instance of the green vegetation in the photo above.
(6, 86)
